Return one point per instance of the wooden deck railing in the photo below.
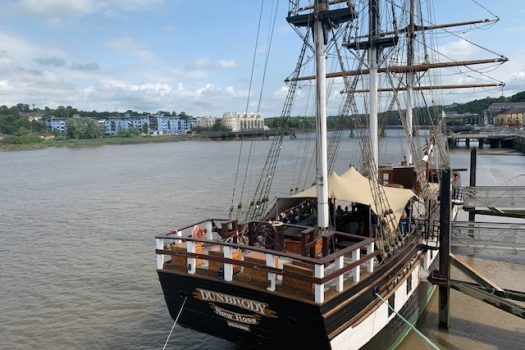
(328, 268)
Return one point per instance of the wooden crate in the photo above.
(257, 274)
(299, 268)
(181, 260)
(217, 265)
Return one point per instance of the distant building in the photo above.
(514, 118)
(112, 125)
(240, 121)
(503, 108)
(55, 124)
(205, 122)
(173, 125)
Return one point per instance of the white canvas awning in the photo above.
(354, 187)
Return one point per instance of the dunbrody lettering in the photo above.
(247, 304)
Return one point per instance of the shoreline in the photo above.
(72, 143)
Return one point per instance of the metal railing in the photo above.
(488, 235)
(494, 196)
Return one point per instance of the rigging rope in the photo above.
(174, 323)
(418, 332)
(271, 31)
(247, 105)
(260, 197)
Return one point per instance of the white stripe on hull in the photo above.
(356, 337)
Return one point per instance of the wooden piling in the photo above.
(444, 248)
(473, 165)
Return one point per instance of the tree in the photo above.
(83, 128)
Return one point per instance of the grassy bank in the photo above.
(97, 142)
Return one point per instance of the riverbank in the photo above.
(99, 142)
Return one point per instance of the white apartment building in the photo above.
(206, 122)
(241, 121)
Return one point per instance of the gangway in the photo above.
(493, 197)
(488, 235)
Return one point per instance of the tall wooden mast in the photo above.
(321, 19)
(373, 32)
(410, 82)
(321, 6)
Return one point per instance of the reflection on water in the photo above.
(76, 243)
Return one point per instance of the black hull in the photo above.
(298, 324)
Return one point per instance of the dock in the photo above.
(478, 236)
(496, 138)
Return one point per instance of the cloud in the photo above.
(90, 66)
(58, 12)
(58, 8)
(459, 50)
(203, 63)
(130, 45)
(226, 63)
(51, 61)
(206, 63)
(4, 85)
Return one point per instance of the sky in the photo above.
(190, 55)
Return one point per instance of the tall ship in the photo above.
(299, 271)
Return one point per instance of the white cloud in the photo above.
(203, 63)
(59, 8)
(4, 85)
(59, 12)
(90, 66)
(130, 45)
(227, 63)
(459, 50)
(206, 63)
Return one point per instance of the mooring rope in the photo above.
(174, 323)
(425, 338)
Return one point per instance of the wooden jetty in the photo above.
(478, 235)
(497, 138)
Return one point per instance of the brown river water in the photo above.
(77, 229)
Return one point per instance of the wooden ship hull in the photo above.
(268, 305)
(307, 276)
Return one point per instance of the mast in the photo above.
(373, 32)
(321, 20)
(410, 82)
(321, 6)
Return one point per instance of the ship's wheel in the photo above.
(265, 234)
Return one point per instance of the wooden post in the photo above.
(370, 263)
(270, 262)
(192, 262)
(339, 264)
(159, 244)
(356, 271)
(473, 161)
(444, 248)
(319, 288)
(228, 268)
(209, 231)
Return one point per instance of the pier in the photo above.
(496, 138)
(478, 236)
